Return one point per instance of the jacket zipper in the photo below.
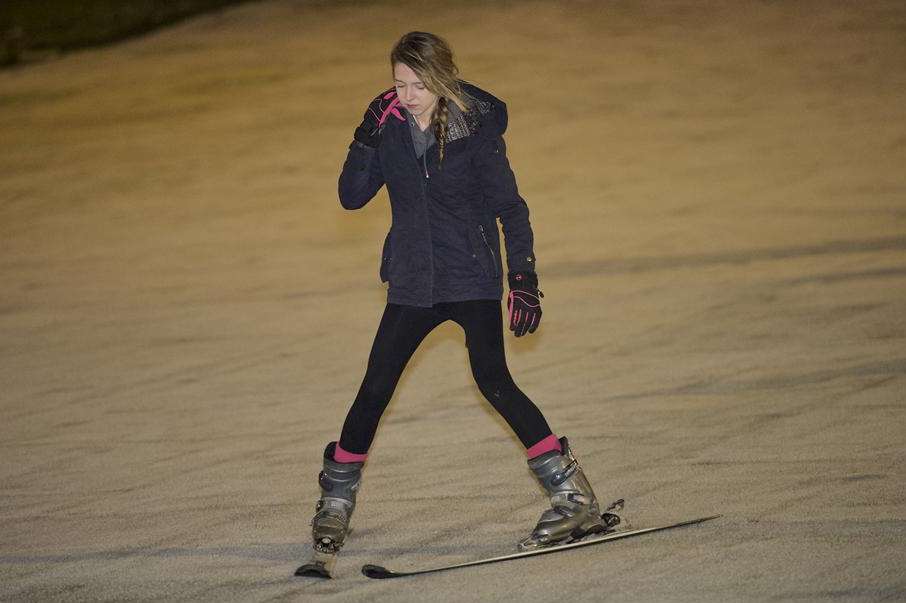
(425, 201)
(491, 251)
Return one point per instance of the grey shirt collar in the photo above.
(422, 141)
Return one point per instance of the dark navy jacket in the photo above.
(443, 244)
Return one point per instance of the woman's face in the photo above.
(413, 94)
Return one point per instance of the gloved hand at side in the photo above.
(524, 303)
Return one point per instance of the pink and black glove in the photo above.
(380, 109)
(524, 303)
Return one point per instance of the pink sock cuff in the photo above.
(546, 445)
(342, 456)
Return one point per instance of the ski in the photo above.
(378, 572)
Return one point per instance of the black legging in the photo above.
(401, 331)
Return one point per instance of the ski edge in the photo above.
(378, 572)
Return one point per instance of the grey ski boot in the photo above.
(339, 483)
(574, 511)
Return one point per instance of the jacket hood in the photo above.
(490, 110)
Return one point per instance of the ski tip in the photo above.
(693, 522)
(377, 572)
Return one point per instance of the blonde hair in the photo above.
(431, 58)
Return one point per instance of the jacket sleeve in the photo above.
(498, 184)
(361, 177)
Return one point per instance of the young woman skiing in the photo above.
(436, 142)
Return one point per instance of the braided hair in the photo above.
(441, 116)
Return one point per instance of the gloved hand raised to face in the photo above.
(380, 109)
(524, 303)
